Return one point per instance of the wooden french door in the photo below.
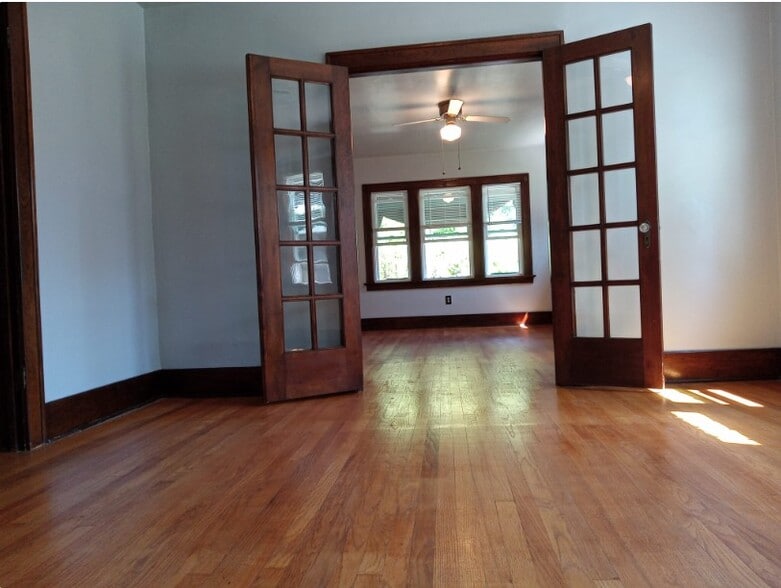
(601, 154)
(305, 228)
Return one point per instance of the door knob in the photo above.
(645, 229)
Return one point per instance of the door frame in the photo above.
(26, 406)
(512, 48)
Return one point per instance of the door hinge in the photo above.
(24, 378)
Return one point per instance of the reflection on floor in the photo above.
(459, 464)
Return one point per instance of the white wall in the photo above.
(97, 282)
(466, 300)
(715, 142)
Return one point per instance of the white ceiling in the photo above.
(378, 102)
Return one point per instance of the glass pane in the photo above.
(584, 199)
(318, 107)
(589, 319)
(586, 256)
(321, 162)
(618, 137)
(290, 208)
(329, 323)
(324, 225)
(326, 260)
(446, 259)
(392, 262)
(298, 328)
(582, 142)
(445, 206)
(389, 209)
(620, 196)
(625, 312)
(615, 78)
(294, 270)
(286, 109)
(501, 202)
(580, 86)
(289, 160)
(622, 261)
(502, 256)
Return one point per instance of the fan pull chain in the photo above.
(459, 155)
(442, 151)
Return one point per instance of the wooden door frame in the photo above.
(17, 137)
(513, 48)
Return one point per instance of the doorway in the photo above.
(623, 281)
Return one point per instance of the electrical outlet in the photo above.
(448, 299)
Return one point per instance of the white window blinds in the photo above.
(502, 202)
(390, 210)
(445, 207)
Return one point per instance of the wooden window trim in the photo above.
(412, 188)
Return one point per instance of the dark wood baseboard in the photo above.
(83, 410)
(79, 411)
(730, 364)
(211, 382)
(499, 319)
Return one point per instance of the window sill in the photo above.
(450, 283)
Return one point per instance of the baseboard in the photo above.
(498, 319)
(211, 382)
(82, 410)
(85, 409)
(79, 411)
(729, 364)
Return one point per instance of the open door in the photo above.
(305, 228)
(600, 140)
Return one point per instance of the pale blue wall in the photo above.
(108, 285)
(715, 141)
(97, 282)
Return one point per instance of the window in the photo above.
(390, 236)
(467, 231)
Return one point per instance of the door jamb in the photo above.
(23, 226)
(507, 49)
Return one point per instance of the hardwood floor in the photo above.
(459, 465)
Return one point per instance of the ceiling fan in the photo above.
(452, 112)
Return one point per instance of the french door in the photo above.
(603, 210)
(305, 228)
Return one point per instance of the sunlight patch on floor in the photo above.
(735, 398)
(708, 397)
(713, 428)
(674, 395)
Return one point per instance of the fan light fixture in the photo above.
(450, 132)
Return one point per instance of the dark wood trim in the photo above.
(210, 382)
(85, 409)
(454, 283)
(412, 190)
(18, 58)
(498, 319)
(729, 364)
(79, 411)
(516, 48)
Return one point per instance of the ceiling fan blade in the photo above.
(454, 106)
(488, 119)
(417, 122)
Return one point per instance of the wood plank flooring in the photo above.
(459, 465)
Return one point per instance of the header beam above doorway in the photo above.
(447, 53)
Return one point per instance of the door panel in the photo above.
(305, 228)
(603, 210)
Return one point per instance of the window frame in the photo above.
(475, 185)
